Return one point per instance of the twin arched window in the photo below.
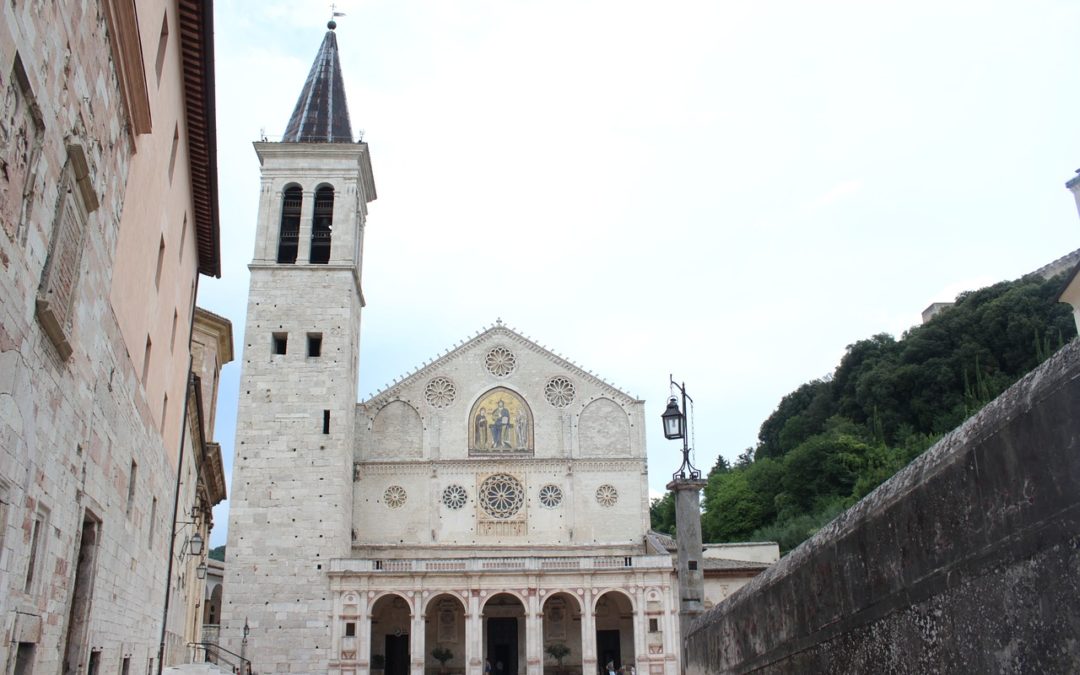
(322, 225)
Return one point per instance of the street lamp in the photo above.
(245, 667)
(195, 544)
(673, 420)
(675, 428)
(200, 571)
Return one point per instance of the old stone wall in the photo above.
(966, 561)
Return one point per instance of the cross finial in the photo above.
(498, 321)
(331, 24)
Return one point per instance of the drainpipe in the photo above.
(179, 481)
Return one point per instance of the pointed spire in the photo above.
(321, 114)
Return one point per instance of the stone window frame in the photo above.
(20, 83)
(60, 278)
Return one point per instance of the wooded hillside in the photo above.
(833, 440)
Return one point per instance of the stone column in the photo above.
(307, 212)
(416, 643)
(641, 629)
(474, 637)
(688, 539)
(363, 635)
(588, 635)
(534, 635)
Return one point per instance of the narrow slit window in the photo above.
(289, 235)
(131, 487)
(280, 343)
(153, 521)
(314, 344)
(326, 421)
(322, 226)
(36, 535)
(164, 412)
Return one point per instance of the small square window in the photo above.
(692, 564)
(314, 344)
(281, 342)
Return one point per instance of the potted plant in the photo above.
(442, 655)
(557, 651)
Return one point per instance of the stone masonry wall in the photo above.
(966, 561)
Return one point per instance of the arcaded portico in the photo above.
(396, 616)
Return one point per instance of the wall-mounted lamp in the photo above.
(200, 571)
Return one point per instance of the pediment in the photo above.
(499, 356)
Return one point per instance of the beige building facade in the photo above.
(487, 513)
(108, 212)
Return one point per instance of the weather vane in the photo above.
(331, 24)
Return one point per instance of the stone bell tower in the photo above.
(291, 497)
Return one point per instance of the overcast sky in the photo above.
(728, 191)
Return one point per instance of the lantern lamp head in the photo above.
(673, 420)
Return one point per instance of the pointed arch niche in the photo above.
(501, 422)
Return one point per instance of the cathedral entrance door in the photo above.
(502, 645)
(607, 646)
(397, 655)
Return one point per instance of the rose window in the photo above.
(395, 496)
(501, 495)
(559, 392)
(607, 495)
(440, 392)
(551, 496)
(454, 496)
(500, 361)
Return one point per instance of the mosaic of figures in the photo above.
(500, 421)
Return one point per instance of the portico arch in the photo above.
(614, 619)
(445, 632)
(504, 643)
(562, 626)
(391, 623)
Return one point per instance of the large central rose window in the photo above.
(501, 495)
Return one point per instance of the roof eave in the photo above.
(197, 51)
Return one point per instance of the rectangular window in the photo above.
(160, 262)
(654, 626)
(164, 412)
(94, 666)
(5, 505)
(131, 487)
(37, 550)
(163, 42)
(172, 338)
(326, 421)
(314, 344)
(175, 147)
(183, 239)
(350, 629)
(125, 666)
(153, 522)
(146, 361)
(281, 343)
(692, 564)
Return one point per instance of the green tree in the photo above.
(662, 514)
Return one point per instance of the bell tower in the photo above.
(292, 485)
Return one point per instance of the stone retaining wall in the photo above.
(966, 561)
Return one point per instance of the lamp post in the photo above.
(686, 483)
(244, 668)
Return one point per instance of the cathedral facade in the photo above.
(487, 513)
